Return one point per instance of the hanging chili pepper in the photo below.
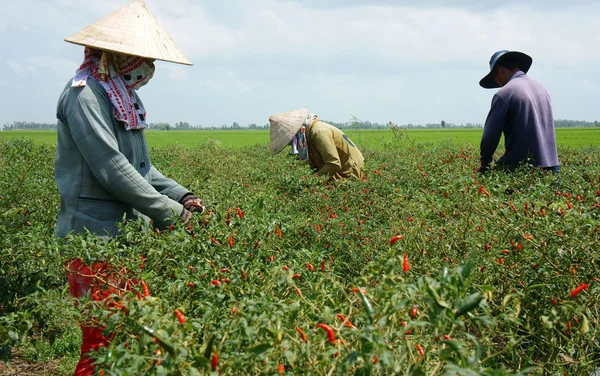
(329, 331)
(580, 288)
(214, 241)
(322, 266)
(304, 338)
(419, 349)
(215, 282)
(231, 240)
(214, 362)
(145, 289)
(395, 239)
(414, 311)
(228, 220)
(180, 316)
(345, 321)
(310, 267)
(240, 213)
(405, 264)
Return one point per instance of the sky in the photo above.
(405, 61)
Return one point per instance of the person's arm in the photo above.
(324, 143)
(166, 186)
(492, 130)
(89, 120)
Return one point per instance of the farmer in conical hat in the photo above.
(521, 110)
(330, 152)
(102, 165)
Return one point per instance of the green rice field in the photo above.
(566, 137)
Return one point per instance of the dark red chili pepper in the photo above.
(285, 268)
(228, 220)
(322, 266)
(225, 270)
(298, 292)
(214, 241)
(328, 330)
(231, 240)
(405, 264)
(214, 362)
(215, 282)
(239, 213)
(190, 284)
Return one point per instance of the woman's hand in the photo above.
(192, 203)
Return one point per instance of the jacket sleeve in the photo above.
(325, 144)
(492, 130)
(90, 123)
(166, 186)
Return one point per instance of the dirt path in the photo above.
(22, 367)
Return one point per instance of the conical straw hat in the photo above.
(284, 126)
(131, 30)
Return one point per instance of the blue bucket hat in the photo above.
(524, 61)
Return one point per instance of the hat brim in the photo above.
(524, 60)
(284, 126)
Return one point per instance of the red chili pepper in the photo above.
(414, 311)
(580, 288)
(180, 316)
(329, 331)
(310, 267)
(95, 295)
(145, 289)
(225, 280)
(419, 349)
(304, 338)
(215, 282)
(239, 213)
(280, 368)
(298, 292)
(228, 220)
(285, 268)
(505, 251)
(214, 362)
(278, 232)
(225, 270)
(569, 206)
(231, 240)
(512, 206)
(355, 289)
(554, 301)
(322, 266)
(395, 239)
(296, 276)
(345, 321)
(214, 241)
(190, 284)
(482, 269)
(405, 264)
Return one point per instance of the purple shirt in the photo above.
(522, 111)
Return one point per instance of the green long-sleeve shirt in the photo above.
(103, 172)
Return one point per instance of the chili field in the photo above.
(423, 268)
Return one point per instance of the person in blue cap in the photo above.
(521, 110)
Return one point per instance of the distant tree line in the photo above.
(353, 124)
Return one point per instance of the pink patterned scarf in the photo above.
(120, 75)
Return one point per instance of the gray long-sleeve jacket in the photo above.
(523, 112)
(103, 172)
